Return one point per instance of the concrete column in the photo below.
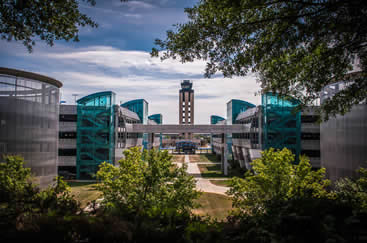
(150, 140)
(225, 155)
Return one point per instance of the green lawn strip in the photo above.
(79, 183)
(210, 158)
(210, 171)
(214, 205)
(220, 182)
(84, 192)
(214, 171)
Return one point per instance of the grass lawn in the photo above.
(211, 158)
(84, 192)
(178, 158)
(214, 171)
(210, 171)
(214, 205)
(220, 182)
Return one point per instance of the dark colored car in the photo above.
(186, 147)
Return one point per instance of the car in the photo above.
(186, 147)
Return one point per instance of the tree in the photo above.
(295, 46)
(25, 20)
(275, 177)
(22, 202)
(146, 184)
(353, 191)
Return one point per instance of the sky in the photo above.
(115, 57)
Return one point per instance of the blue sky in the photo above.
(115, 56)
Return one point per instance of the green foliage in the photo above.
(146, 184)
(15, 180)
(28, 20)
(294, 208)
(22, 202)
(353, 191)
(300, 220)
(275, 177)
(296, 47)
(25, 20)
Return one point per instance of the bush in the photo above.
(146, 184)
(275, 176)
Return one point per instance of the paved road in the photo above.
(203, 184)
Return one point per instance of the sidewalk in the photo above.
(203, 184)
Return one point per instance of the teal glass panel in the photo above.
(234, 108)
(140, 107)
(215, 119)
(158, 118)
(95, 133)
(281, 123)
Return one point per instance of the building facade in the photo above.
(104, 131)
(29, 121)
(344, 137)
(186, 105)
(155, 139)
(67, 140)
(274, 124)
(214, 119)
(140, 107)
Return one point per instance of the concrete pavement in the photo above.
(203, 184)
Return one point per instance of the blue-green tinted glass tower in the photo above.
(140, 107)
(215, 119)
(158, 118)
(95, 132)
(234, 108)
(281, 123)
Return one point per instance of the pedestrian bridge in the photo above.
(200, 129)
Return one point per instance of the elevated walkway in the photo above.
(200, 129)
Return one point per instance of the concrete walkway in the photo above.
(203, 184)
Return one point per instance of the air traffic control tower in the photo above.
(186, 105)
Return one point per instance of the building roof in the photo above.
(128, 113)
(248, 113)
(255, 153)
(133, 102)
(30, 75)
(94, 95)
(222, 122)
(152, 122)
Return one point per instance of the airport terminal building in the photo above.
(273, 124)
(75, 139)
(97, 130)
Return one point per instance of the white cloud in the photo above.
(211, 95)
(114, 58)
(132, 75)
(136, 16)
(133, 5)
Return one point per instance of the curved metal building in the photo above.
(29, 114)
(343, 138)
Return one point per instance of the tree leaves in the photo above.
(146, 183)
(296, 47)
(275, 177)
(25, 20)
